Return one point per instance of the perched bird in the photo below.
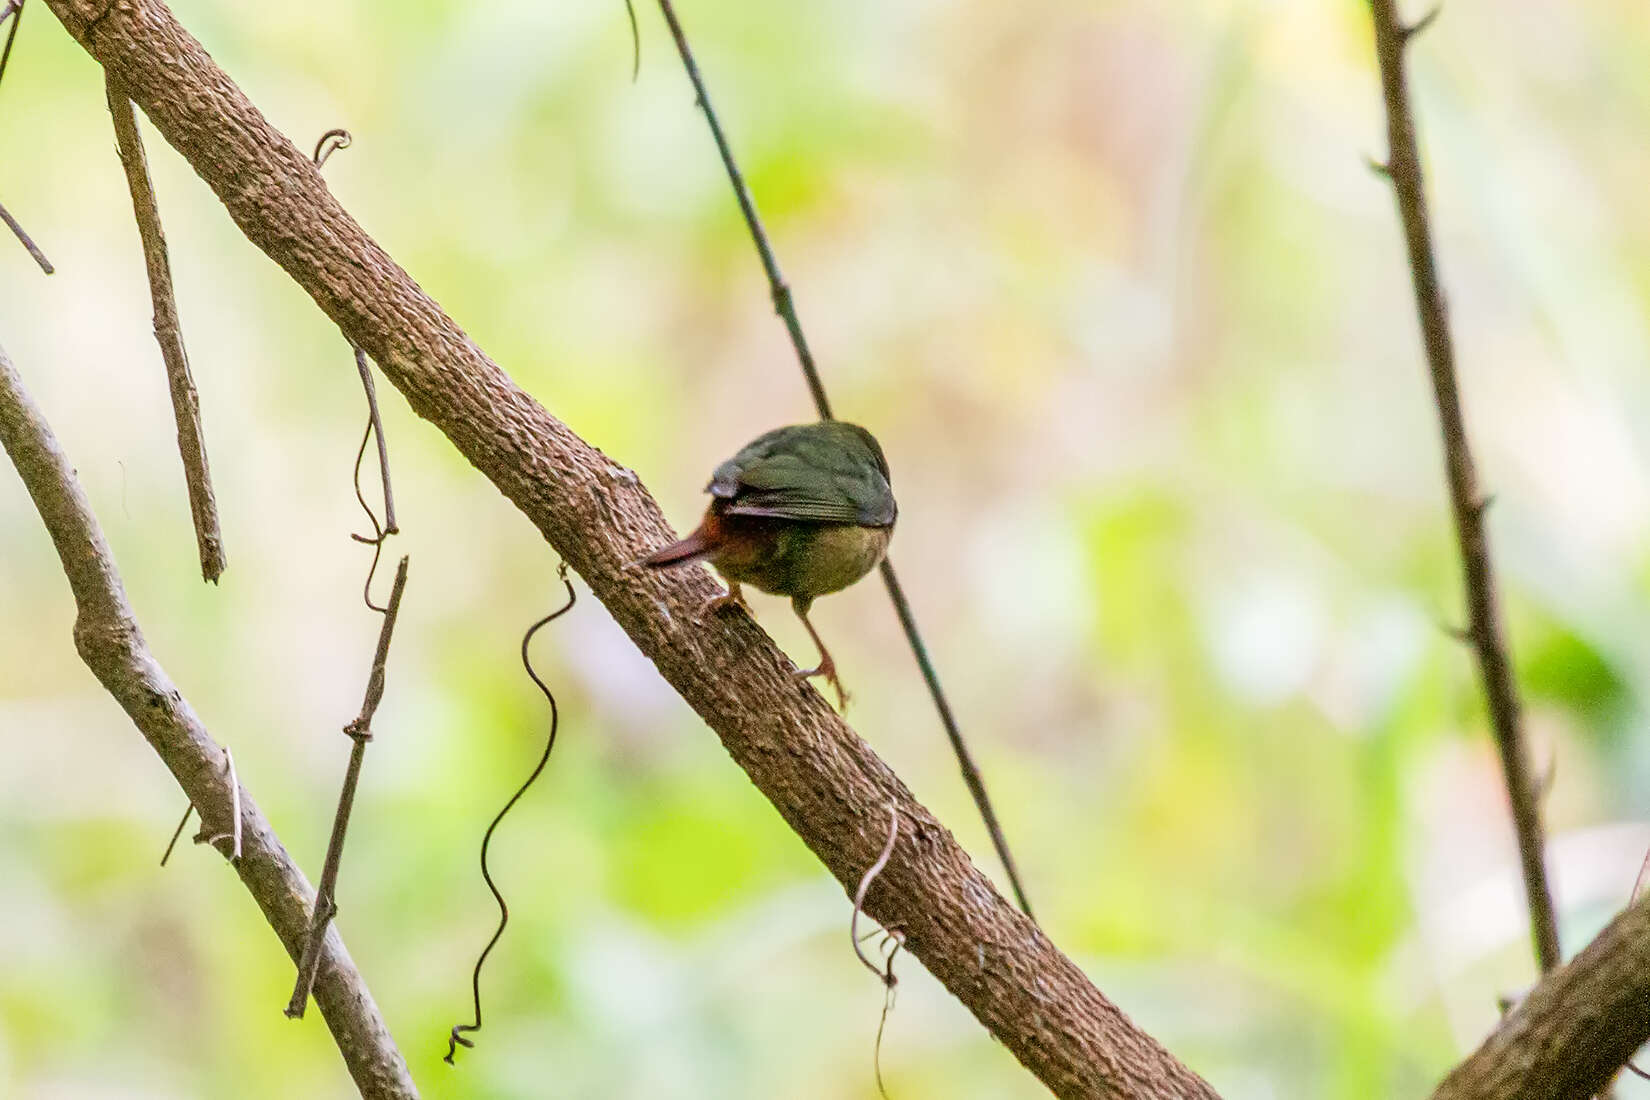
(802, 512)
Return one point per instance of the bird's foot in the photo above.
(827, 669)
(717, 605)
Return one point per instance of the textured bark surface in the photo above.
(1574, 1031)
(109, 641)
(826, 782)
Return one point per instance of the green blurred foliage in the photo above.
(1114, 287)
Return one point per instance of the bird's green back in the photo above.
(826, 472)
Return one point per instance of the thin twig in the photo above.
(13, 11)
(375, 424)
(785, 306)
(173, 843)
(635, 41)
(111, 643)
(12, 8)
(1485, 632)
(360, 732)
(455, 1038)
(186, 403)
(893, 942)
(28, 241)
(871, 873)
(884, 973)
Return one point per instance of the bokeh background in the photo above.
(1112, 283)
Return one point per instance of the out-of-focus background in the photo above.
(1114, 287)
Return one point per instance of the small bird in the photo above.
(801, 511)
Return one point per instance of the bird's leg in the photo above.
(731, 598)
(826, 667)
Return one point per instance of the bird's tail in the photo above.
(692, 548)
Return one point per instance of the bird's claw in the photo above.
(828, 670)
(717, 605)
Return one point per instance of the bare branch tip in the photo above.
(1421, 24)
(1466, 635)
(1379, 168)
(27, 242)
(173, 843)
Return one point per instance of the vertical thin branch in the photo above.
(785, 306)
(185, 401)
(360, 732)
(1484, 632)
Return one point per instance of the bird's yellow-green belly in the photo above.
(809, 559)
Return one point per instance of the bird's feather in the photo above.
(829, 472)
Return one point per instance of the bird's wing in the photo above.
(791, 476)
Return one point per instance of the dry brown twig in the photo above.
(891, 937)
(12, 12)
(186, 404)
(360, 732)
(108, 638)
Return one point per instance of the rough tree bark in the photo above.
(1571, 1035)
(826, 782)
(822, 778)
(109, 641)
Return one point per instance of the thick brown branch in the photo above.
(109, 641)
(1574, 1031)
(1485, 632)
(826, 782)
(186, 404)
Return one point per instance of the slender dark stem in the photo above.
(186, 408)
(173, 843)
(785, 306)
(1485, 632)
(635, 41)
(360, 732)
(12, 8)
(456, 1037)
(28, 241)
(780, 289)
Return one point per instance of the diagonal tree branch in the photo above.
(826, 782)
(1575, 1030)
(109, 641)
(1484, 632)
